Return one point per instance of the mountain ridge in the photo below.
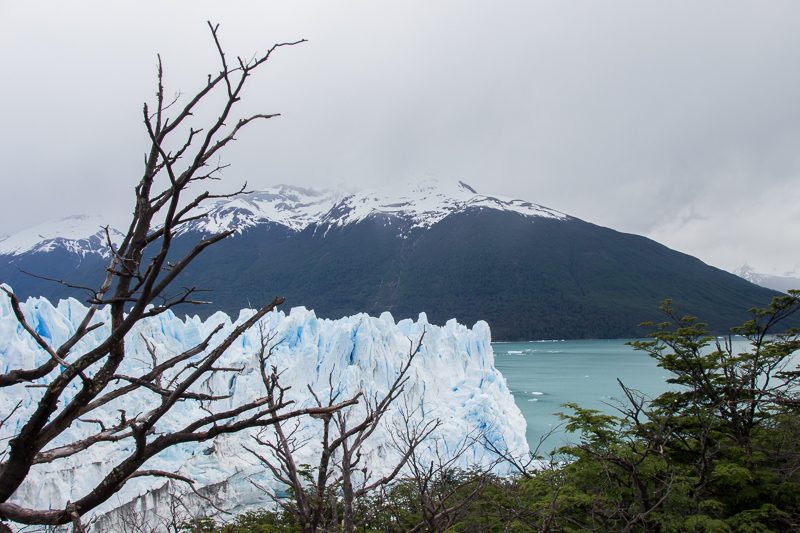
(433, 246)
(425, 200)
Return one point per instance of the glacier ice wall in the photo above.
(452, 379)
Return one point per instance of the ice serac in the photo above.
(452, 379)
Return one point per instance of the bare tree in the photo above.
(137, 284)
(440, 492)
(341, 476)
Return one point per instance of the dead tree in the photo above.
(341, 477)
(440, 492)
(137, 284)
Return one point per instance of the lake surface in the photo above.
(544, 374)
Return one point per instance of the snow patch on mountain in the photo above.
(419, 202)
(79, 234)
(426, 201)
(293, 207)
(452, 379)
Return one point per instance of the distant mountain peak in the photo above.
(424, 201)
(293, 207)
(80, 234)
(782, 281)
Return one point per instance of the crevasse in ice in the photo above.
(452, 379)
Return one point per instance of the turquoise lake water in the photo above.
(544, 374)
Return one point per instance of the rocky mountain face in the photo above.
(432, 245)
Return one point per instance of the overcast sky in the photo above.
(675, 120)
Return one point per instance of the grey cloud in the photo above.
(625, 114)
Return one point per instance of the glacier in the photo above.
(452, 379)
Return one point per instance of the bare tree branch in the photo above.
(135, 286)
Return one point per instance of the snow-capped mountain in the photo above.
(426, 202)
(78, 234)
(452, 379)
(82, 235)
(420, 203)
(776, 280)
(427, 244)
(293, 207)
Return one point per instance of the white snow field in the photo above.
(452, 379)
